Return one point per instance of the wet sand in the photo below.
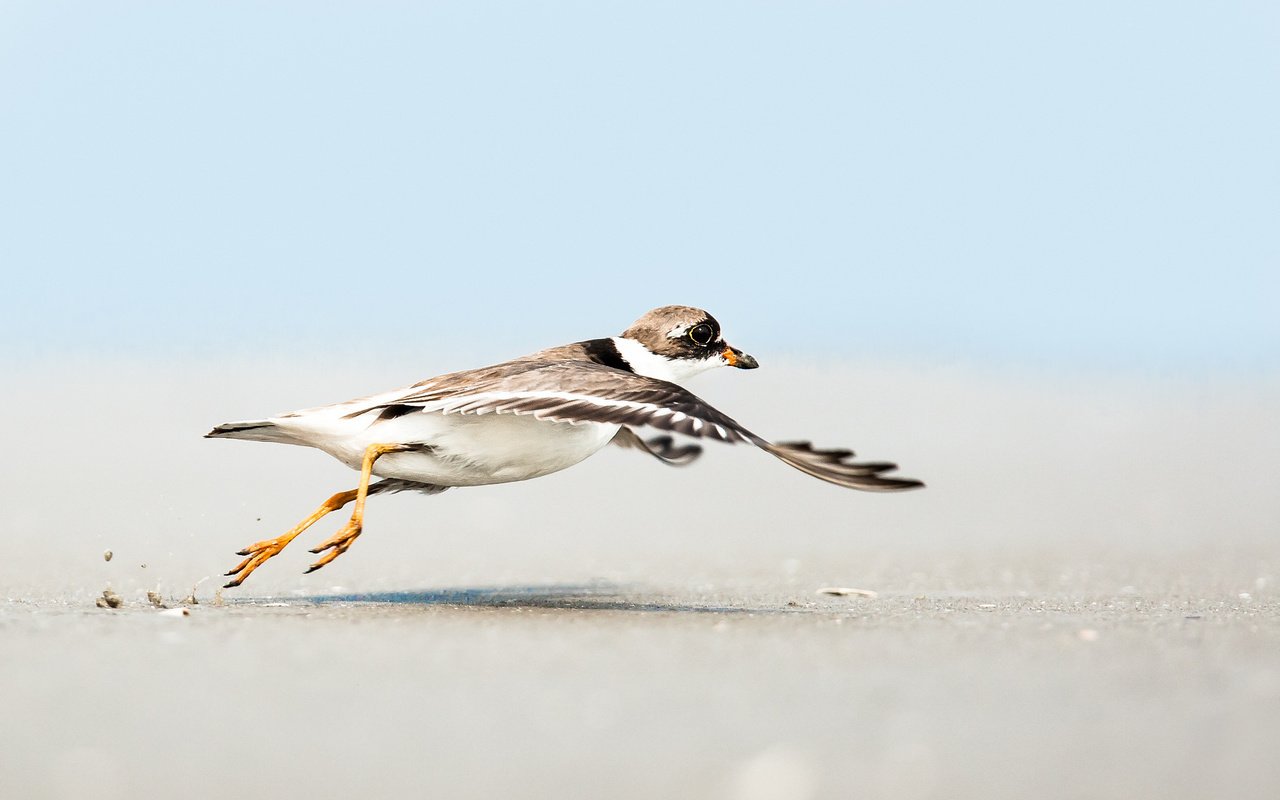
(609, 691)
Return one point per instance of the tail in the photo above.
(258, 430)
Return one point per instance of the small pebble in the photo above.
(155, 599)
(190, 600)
(842, 591)
(109, 599)
(106, 555)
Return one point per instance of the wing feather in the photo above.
(662, 448)
(832, 466)
(582, 392)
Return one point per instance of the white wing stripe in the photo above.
(467, 403)
(527, 402)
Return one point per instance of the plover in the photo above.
(532, 416)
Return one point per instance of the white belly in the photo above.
(469, 450)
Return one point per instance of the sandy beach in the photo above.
(1071, 688)
(1076, 610)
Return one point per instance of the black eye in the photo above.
(702, 334)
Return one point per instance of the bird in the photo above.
(532, 416)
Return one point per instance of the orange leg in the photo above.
(338, 543)
(258, 554)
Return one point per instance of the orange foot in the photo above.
(260, 553)
(337, 544)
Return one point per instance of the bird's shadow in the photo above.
(578, 597)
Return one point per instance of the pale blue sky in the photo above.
(1013, 184)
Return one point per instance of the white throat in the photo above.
(649, 364)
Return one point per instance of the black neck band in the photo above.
(604, 351)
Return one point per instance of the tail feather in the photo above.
(258, 430)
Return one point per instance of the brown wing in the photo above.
(578, 392)
(575, 392)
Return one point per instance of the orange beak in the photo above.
(736, 358)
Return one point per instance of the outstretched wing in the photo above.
(579, 392)
(663, 448)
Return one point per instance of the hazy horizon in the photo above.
(1015, 469)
